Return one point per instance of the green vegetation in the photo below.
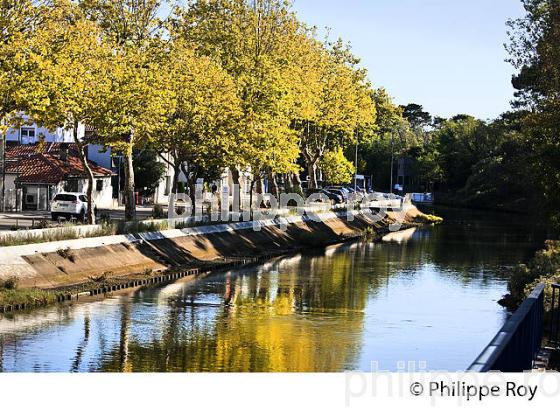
(337, 170)
(58, 234)
(543, 268)
(510, 163)
(428, 219)
(11, 295)
(369, 232)
(268, 94)
(71, 232)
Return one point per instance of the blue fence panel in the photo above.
(516, 345)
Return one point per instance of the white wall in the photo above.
(11, 198)
(58, 135)
(104, 198)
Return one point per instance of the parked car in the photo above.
(339, 190)
(332, 197)
(358, 193)
(69, 205)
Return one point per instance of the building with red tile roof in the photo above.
(40, 171)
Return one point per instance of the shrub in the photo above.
(9, 284)
(104, 218)
(66, 253)
(157, 212)
(28, 296)
(42, 224)
(543, 268)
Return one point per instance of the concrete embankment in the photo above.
(65, 263)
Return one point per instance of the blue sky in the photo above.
(447, 55)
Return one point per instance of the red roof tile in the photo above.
(26, 150)
(50, 169)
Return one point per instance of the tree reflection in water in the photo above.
(328, 310)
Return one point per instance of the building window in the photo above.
(99, 185)
(71, 185)
(27, 135)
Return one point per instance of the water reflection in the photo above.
(431, 298)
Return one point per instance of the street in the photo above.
(28, 219)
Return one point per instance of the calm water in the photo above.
(430, 298)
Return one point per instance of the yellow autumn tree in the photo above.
(71, 76)
(249, 39)
(199, 135)
(140, 96)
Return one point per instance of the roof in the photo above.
(25, 150)
(51, 169)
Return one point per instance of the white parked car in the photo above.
(69, 205)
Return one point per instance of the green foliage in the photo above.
(428, 219)
(246, 39)
(535, 54)
(34, 297)
(543, 268)
(158, 212)
(416, 116)
(9, 283)
(336, 168)
(148, 171)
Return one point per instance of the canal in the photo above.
(427, 300)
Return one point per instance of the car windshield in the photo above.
(65, 197)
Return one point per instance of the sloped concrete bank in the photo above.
(63, 264)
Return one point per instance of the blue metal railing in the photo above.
(518, 342)
(554, 317)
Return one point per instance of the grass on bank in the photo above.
(11, 295)
(70, 232)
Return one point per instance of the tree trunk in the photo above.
(289, 182)
(251, 197)
(260, 185)
(129, 200)
(273, 184)
(3, 137)
(192, 195)
(236, 194)
(312, 171)
(176, 172)
(89, 174)
(296, 181)
(191, 181)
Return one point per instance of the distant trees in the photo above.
(416, 116)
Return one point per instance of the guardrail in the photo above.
(518, 342)
(554, 327)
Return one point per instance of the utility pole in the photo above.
(392, 156)
(356, 163)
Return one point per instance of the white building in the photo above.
(32, 133)
(36, 173)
